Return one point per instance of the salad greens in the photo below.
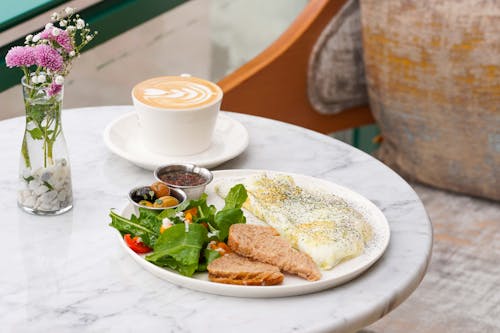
(146, 225)
(224, 219)
(184, 246)
(236, 197)
(178, 249)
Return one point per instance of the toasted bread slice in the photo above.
(264, 244)
(234, 269)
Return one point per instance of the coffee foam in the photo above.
(177, 92)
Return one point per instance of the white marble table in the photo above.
(68, 273)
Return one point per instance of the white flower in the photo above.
(54, 16)
(41, 78)
(36, 38)
(59, 79)
(69, 10)
(63, 23)
(56, 32)
(72, 54)
(29, 38)
(80, 24)
(88, 38)
(34, 79)
(70, 28)
(49, 25)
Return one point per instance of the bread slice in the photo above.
(234, 269)
(264, 244)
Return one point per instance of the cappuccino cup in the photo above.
(177, 114)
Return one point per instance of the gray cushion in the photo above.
(433, 73)
(336, 77)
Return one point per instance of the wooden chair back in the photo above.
(274, 83)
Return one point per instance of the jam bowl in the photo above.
(190, 178)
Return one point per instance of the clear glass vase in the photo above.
(44, 169)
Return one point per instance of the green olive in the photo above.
(160, 189)
(166, 201)
(145, 203)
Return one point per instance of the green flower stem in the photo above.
(45, 116)
(51, 140)
(26, 155)
(26, 73)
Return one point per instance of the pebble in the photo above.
(37, 195)
(40, 190)
(61, 196)
(46, 176)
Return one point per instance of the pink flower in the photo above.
(54, 89)
(62, 39)
(48, 57)
(20, 56)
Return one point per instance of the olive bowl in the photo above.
(177, 193)
(192, 191)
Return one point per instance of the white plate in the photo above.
(291, 285)
(230, 140)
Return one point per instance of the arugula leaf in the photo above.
(206, 213)
(227, 217)
(202, 201)
(146, 226)
(236, 197)
(231, 213)
(185, 252)
(209, 255)
(178, 249)
(169, 213)
(148, 214)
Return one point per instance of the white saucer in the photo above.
(230, 140)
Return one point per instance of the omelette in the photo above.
(320, 224)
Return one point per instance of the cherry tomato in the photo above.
(136, 245)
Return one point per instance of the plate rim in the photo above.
(261, 291)
(208, 163)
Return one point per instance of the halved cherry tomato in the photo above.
(136, 245)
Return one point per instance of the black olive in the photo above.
(144, 193)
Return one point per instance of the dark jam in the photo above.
(183, 178)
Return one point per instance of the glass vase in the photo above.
(44, 169)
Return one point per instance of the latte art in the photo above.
(176, 92)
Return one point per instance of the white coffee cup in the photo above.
(177, 114)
